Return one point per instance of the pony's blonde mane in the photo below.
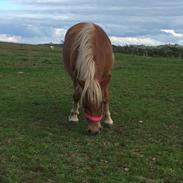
(85, 65)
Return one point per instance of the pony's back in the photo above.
(100, 45)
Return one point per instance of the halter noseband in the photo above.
(93, 119)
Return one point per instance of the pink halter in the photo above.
(94, 119)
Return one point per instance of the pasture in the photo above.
(38, 145)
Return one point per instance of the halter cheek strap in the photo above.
(94, 119)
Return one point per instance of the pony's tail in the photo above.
(85, 64)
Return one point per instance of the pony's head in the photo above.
(93, 114)
(92, 105)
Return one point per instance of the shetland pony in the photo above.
(88, 59)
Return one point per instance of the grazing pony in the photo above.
(88, 59)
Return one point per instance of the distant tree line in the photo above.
(174, 51)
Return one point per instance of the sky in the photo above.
(147, 22)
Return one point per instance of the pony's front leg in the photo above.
(73, 117)
(107, 115)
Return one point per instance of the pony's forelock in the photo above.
(85, 65)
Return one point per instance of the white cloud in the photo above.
(41, 36)
(172, 32)
(9, 38)
(140, 21)
(134, 41)
(59, 33)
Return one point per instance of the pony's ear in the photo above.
(81, 83)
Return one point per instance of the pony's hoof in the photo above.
(73, 119)
(109, 123)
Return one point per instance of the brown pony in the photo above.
(88, 59)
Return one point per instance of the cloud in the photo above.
(172, 32)
(59, 34)
(39, 1)
(9, 38)
(135, 22)
(134, 41)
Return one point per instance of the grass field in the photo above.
(38, 145)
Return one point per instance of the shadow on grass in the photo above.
(51, 113)
(46, 112)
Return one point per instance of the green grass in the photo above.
(38, 145)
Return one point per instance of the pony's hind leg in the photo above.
(73, 117)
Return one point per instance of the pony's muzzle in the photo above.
(94, 128)
(95, 132)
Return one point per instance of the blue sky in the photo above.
(149, 22)
(7, 5)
